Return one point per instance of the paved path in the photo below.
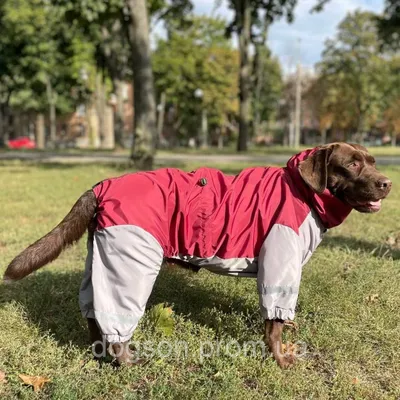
(163, 158)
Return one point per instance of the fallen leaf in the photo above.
(393, 241)
(292, 325)
(36, 381)
(290, 348)
(372, 298)
(161, 317)
(3, 377)
(355, 381)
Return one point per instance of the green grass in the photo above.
(378, 151)
(381, 151)
(352, 335)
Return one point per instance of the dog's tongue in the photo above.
(375, 204)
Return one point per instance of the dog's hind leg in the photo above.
(98, 345)
(126, 263)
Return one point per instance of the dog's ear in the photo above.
(314, 169)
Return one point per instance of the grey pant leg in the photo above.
(86, 289)
(126, 262)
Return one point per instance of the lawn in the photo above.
(377, 151)
(348, 311)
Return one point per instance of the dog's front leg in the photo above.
(122, 353)
(273, 339)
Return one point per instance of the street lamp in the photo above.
(198, 93)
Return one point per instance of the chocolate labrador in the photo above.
(263, 223)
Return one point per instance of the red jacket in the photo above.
(264, 222)
(207, 213)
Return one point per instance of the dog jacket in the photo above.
(264, 223)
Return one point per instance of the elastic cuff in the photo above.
(278, 313)
(116, 338)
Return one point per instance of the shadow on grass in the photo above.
(123, 167)
(51, 301)
(376, 249)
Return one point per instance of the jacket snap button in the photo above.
(203, 182)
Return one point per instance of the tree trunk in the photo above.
(221, 138)
(2, 142)
(244, 13)
(160, 120)
(51, 99)
(109, 136)
(100, 106)
(119, 121)
(393, 141)
(40, 134)
(259, 76)
(204, 129)
(145, 130)
(6, 125)
(297, 112)
(93, 127)
(323, 136)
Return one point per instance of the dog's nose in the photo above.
(384, 184)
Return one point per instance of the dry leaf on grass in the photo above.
(290, 348)
(393, 241)
(372, 298)
(36, 381)
(3, 377)
(355, 381)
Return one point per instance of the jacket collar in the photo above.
(330, 209)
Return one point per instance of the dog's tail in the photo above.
(49, 247)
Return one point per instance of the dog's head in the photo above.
(348, 171)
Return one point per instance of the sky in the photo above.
(311, 29)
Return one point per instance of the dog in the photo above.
(264, 223)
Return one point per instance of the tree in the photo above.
(129, 22)
(33, 83)
(389, 24)
(391, 100)
(355, 72)
(268, 87)
(143, 143)
(197, 56)
(249, 17)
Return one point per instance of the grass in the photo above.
(377, 151)
(348, 311)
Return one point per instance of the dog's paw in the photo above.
(286, 361)
(130, 362)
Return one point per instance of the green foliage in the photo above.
(268, 11)
(355, 75)
(37, 48)
(389, 24)
(160, 317)
(198, 57)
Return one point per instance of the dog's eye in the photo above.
(354, 164)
